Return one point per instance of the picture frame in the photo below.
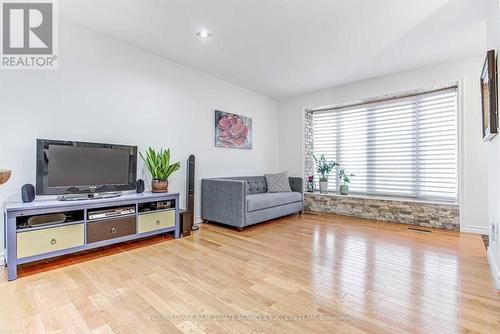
(489, 97)
(232, 130)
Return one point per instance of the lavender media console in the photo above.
(142, 215)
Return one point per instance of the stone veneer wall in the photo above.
(309, 145)
(444, 216)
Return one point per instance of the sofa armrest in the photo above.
(297, 184)
(224, 201)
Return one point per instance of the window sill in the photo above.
(381, 198)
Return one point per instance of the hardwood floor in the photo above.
(342, 275)
(67, 260)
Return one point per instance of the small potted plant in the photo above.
(158, 165)
(344, 177)
(310, 183)
(324, 168)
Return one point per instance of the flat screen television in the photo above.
(70, 167)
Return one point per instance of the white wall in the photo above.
(493, 35)
(474, 199)
(109, 91)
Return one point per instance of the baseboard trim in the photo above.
(2, 259)
(474, 229)
(495, 273)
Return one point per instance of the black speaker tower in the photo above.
(190, 191)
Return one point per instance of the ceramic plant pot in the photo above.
(323, 187)
(310, 187)
(158, 186)
(344, 189)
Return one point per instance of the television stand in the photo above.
(49, 228)
(87, 196)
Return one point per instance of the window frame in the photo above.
(415, 96)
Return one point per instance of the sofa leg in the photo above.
(240, 229)
(300, 212)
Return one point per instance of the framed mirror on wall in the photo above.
(4, 175)
(489, 96)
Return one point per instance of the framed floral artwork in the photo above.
(233, 131)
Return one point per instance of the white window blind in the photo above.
(404, 147)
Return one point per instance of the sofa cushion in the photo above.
(256, 184)
(278, 183)
(268, 200)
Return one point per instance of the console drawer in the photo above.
(155, 221)
(48, 240)
(110, 229)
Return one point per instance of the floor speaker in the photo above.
(190, 191)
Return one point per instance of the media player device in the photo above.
(109, 213)
(162, 205)
(82, 197)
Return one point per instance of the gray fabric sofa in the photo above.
(244, 201)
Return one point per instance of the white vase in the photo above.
(323, 187)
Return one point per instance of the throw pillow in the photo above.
(278, 183)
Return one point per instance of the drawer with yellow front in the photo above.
(155, 221)
(31, 243)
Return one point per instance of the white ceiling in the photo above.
(286, 47)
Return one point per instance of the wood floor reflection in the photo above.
(299, 274)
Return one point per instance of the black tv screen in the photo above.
(78, 167)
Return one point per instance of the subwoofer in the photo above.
(190, 181)
(185, 222)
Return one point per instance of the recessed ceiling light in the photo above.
(204, 34)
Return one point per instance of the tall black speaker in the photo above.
(190, 191)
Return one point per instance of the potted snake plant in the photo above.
(345, 178)
(324, 167)
(158, 165)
